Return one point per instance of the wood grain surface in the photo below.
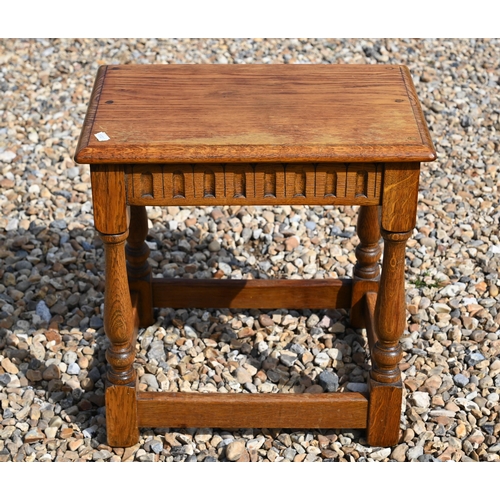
(109, 198)
(252, 294)
(400, 194)
(250, 113)
(366, 272)
(390, 311)
(138, 267)
(121, 416)
(384, 413)
(298, 411)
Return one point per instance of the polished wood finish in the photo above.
(367, 270)
(118, 313)
(370, 302)
(255, 184)
(88, 123)
(255, 135)
(254, 113)
(390, 312)
(298, 411)
(109, 198)
(384, 409)
(122, 425)
(252, 294)
(399, 212)
(138, 268)
(384, 413)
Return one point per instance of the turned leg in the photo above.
(138, 268)
(121, 409)
(385, 378)
(398, 219)
(110, 218)
(367, 269)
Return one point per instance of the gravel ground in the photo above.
(52, 342)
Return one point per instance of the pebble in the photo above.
(73, 369)
(43, 311)
(420, 399)
(322, 360)
(357, 387)
(415, 452)
(399, 452)
(461, 380)
(380, 454)
(235, 450)
(9, 366)
(329, 381)
(242, 376)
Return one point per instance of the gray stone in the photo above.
(225, 268)
(297, 349)
(357, 387)
(150, 380)
(73, 369)
(460, 380)
(190, 332)
(156, 446)
(157, 351)
(474, 358)
(58, 224)
(329, 381)
(43, 311)
(214, 246)
(452, 290)
(288, 358)
(322, 359)
(96, 322)
(415, 452)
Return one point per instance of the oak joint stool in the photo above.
(191, 135)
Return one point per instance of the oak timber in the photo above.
(384, 413)
(306, 411)
(370, 301)
(121, 415)
(254, 113)
(252, 294)
(255, 184)
(182, 135)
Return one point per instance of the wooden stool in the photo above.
(255, 135)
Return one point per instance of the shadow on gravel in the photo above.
(52, 336)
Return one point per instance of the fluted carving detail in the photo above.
(254, 184)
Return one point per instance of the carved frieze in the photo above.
(254, 184)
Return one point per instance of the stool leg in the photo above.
(385, 378)
(138, 268)
(367, 269)
(121, 405)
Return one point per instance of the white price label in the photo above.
(102, 136)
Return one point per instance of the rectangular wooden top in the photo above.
(254, 113)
